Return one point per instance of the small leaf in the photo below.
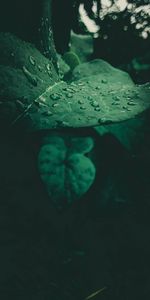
(82, 45)
(71, 59)
(67, 175)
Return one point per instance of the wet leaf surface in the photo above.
(106, 96)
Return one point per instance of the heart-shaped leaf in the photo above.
(65, 171)
(29, 81)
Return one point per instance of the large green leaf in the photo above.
(30, 88)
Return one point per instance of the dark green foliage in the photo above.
(82, 45)
(119, 41)
(71, 59)
(103, 239)
(30, 21)
(66, 172)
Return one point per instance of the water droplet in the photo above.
(69, 95)
(128, 98)
(114, 103)
(62, 123)
(104, 120)
(12, 54)
(42, 104)
(131, 103)
(40, 68)
(80, 84)
(54, 96)
(42, 99)
(74, 84)
(100, 121)
(32, 60)
(31, 78)
(97, 88)
(116, 98)
(65, 88)
(55, 105)
(95, 104)
(126, 108)
(81, 102)
(104, 81)
(82, 107)
(97, 108)
(131, 100)
(47, 113)
(49, 69)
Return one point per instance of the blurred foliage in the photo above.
(122, 31)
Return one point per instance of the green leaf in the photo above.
(106, 96)
(104, 70)
(82, 45)
(130, 133)
(71, 59)
(66, 174)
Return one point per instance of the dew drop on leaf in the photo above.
(69, 95)
(39, 68)
(116, 98)
(104, 81)
(131, 103)
(90, 98)
(114, 103)
(47, 113)
(97, 108)
(31, 78)
(81, 102)
(54, 96)
(95, 104)
(48, 67)
(32, 60)
(55, 105)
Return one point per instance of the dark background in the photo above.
(103, 239)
